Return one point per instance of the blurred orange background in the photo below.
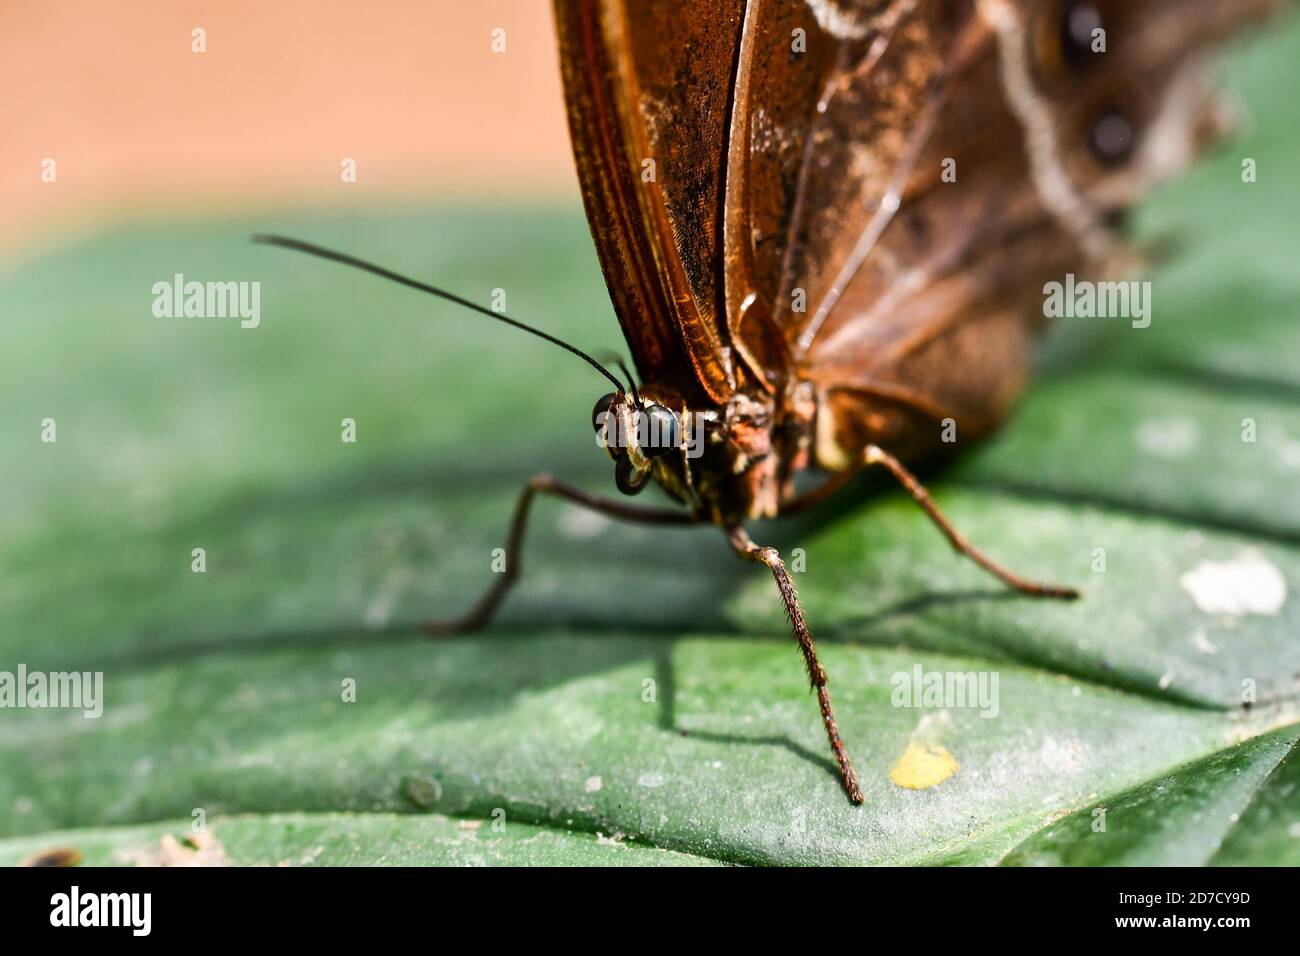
(140, 125)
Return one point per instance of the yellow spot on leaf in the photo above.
(921, 767)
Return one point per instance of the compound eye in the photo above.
(600, 414)
(663, 431)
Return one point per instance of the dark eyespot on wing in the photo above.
(1080, 22)
(1112, 138)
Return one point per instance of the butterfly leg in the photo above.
(743, 546)
(478, 616)
(875, 455)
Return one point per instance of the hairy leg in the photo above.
(741, 543)
(479, 615)
(875, 455)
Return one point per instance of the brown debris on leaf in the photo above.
(58, 856)
(196, 849)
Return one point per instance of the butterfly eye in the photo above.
(663, 434)
(1080, 23)
(1111, 139)
(601, 411)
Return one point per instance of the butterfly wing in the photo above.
(902, 185)
(869, 194)
(833, 101)
(693, 127)
(648, 86)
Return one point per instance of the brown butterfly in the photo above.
(826, 226)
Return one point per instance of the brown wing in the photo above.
(931, 316)
(797, 220)
(648, 85)
(833, 101)
(722, 96)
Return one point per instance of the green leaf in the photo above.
(1224, 808)
(638, 700)
(339, 839)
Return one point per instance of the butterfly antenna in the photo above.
(631, 382)
(321, 252)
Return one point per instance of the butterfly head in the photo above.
(638, 431)
(717, 460)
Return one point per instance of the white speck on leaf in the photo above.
(593, 784)
(198, 849)
(1061, 756)
(1247, 584)
(652, 780)
(1168, 438)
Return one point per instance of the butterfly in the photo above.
(826, 227)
